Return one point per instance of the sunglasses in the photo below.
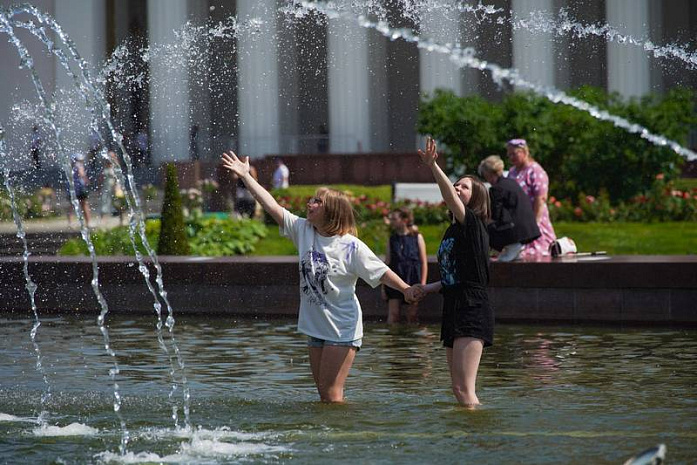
(517, 142)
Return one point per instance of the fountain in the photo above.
(553, 393)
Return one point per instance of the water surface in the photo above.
(552, 394)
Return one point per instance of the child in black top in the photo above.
(406, 256)
(463, 258)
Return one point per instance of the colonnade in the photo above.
(356, 85)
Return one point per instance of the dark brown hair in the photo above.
(406, 214)
(479, 203)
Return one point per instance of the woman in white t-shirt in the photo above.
(332, 259)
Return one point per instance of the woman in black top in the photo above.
(512, 219)
(463, 258)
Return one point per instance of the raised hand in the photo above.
(430, 155)
(234, 164)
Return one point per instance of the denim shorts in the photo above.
(317, 342)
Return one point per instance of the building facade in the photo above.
(282, 86)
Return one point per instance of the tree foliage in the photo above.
(580, 153)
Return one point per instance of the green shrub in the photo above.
(215, 237)
(662, 201)
(173, 240)
(114, 241)
(39, 204)
(580, 153)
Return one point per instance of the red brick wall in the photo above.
(369, 169)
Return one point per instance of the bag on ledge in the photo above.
(562, 246)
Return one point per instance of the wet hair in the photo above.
(406, 214)
(479, 203)
(339, 218)
(491, 164)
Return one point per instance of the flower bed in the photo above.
(662, 202)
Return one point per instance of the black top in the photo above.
(404, 257)
(512, 215)
(463, 255)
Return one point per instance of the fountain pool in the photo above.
(552, 394)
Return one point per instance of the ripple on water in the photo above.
(201, 446)
(73, 429)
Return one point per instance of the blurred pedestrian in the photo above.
(81, 184)
(281, 176)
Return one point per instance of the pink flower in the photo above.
(578, 212)
(553, 200)
(590, 199)
(557, 204)
(660, 176)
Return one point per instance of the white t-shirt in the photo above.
(280, 177)
(329, 269)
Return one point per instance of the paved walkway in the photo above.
(58, 225)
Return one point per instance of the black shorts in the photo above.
(466, 314)
(80, 193)
(394, 294)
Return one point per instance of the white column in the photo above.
(628, 65)
(533, 52)
(85, 24)
(258, 90)
(349, 102)
(435, 69)
(169, 83)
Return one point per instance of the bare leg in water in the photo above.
(463, 361)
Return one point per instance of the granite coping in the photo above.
(649, 289)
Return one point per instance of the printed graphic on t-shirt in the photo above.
(314, 268)
(448, 272)
(349, 248)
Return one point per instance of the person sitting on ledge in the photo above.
(512, 219)
(332, 259)
(533, 179)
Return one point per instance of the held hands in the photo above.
(414, 294)
(430, 155)
(234, 164)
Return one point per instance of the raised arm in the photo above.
(452, 201)
(241, 168)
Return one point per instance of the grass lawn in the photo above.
(672, 238)
(675, 238)
(383, 192)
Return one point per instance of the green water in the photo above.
(551, 395)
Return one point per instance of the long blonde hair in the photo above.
(339, 218)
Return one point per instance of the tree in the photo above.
(173, 239)
(468, 126)
(581, 154)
